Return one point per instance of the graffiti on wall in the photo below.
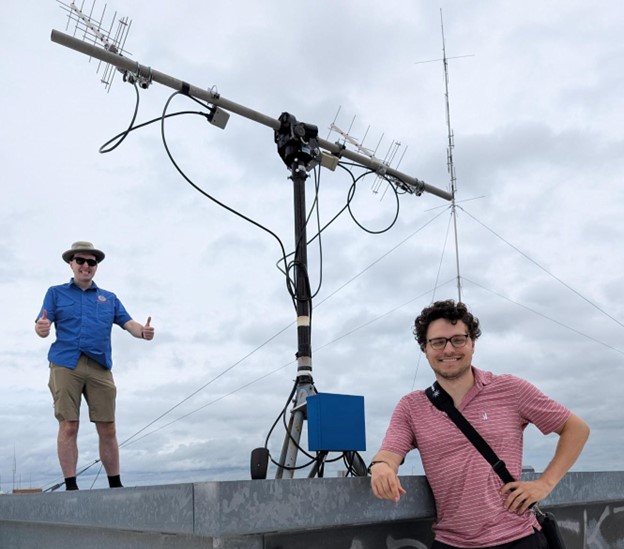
(607, 531)
(593, 526)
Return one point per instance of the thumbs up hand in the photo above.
(43, 324)
(148, 331)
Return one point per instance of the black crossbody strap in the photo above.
(443, 401)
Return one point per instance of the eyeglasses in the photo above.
(457, 341)
(82, 261)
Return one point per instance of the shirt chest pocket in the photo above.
(66, 308)
(105, 311)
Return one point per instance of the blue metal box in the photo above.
(336, 423)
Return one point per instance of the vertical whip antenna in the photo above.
(449, 157)
(449, 151)
(93, 31)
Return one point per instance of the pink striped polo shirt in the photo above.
(470, 510)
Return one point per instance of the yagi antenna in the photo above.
(388, 160)
(370, 153)
(327, 150)
(92, 31)
(346, 138)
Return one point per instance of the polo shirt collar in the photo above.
(482, 378)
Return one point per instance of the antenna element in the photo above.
(370, 153)
(93, 32)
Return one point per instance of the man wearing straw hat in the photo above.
(81, 358)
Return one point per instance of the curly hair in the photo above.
(448, 310)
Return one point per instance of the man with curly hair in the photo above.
(474, 509)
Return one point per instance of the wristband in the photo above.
(368, 470)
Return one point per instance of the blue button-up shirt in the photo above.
(83, 320)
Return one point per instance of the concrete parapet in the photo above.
(289, 514)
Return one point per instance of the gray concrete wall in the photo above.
(327, 513)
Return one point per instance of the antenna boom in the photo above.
(142, 72)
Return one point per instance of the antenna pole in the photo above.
(449, 160)
(14, 467)
(304, 382)
(297, 144)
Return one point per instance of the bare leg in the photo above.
(67, 447)
(109, 449)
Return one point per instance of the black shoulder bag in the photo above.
(443, 401)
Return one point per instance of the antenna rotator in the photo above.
(297, 142)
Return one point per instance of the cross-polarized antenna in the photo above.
(383, 165)
(93, 31)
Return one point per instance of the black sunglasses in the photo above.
(82, 261)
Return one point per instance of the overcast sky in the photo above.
(537, 103)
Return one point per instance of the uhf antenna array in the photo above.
(301, 150)
(370, 153)
(92, 31)
(328, 154)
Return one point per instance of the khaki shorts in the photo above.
(90, 379)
